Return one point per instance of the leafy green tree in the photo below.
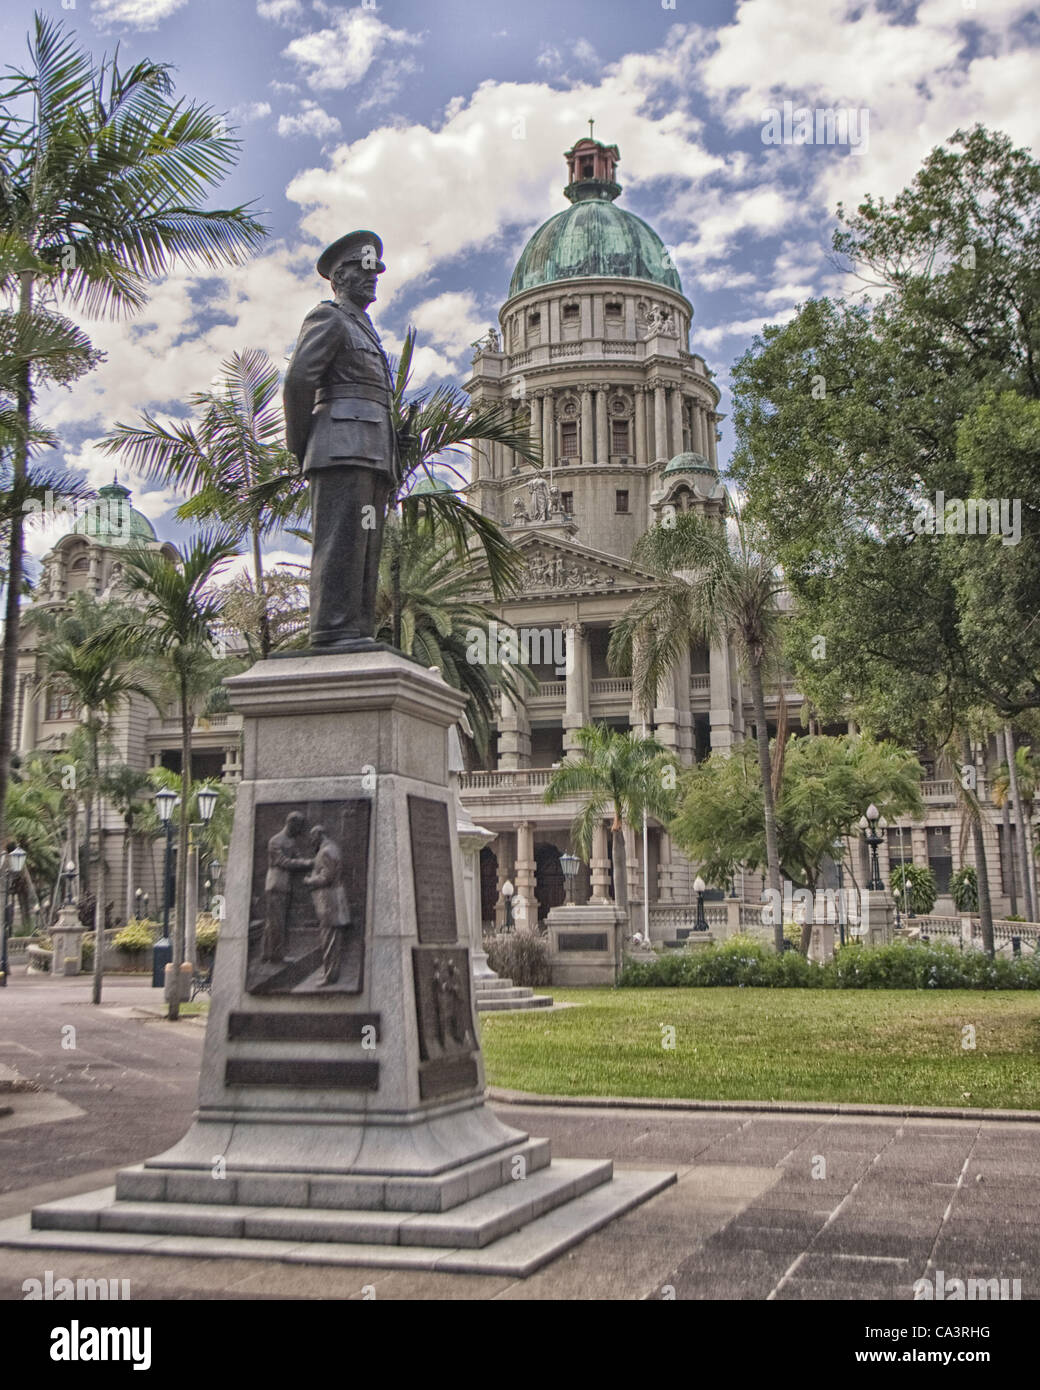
(171, 623)
(964, 889)
(827, 783)
(102, 176)
(127, 789)
(712, 584)
(618, 773)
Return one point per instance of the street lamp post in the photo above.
(138, 895)
(507, 893)
(569, 867)
(873, 824)
(14, 863)
(701, 923)
(205, 801)
(162, 951)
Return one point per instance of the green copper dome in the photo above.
(690, 463)
(594, 237)
(428, 485)
(111, 520)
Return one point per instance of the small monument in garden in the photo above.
(341, 1104)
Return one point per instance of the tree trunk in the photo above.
(261, 593)
(1010, 856)
(99, 903)
(1020, 824)
(620, 857)
(981, 871)
(128, 865)
(182, 853)
(15, 568)
(769, 810)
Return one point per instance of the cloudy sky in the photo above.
(440, 124)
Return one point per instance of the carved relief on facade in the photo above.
(657, 318)
(545, 571)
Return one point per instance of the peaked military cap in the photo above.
(351, 247)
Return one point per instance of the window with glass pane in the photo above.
(619, 436)
(569, 439)
(940, 855)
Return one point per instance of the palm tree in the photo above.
(711, 584)
(102, 175)
(172, 624)
(620, 773)
(237, 445)
(72, 661)
(425, 608)
(127, 788)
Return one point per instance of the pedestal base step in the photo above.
(540, 1239)
(238, 1188)
(491, 995)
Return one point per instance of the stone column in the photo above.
(677, 430)
(576, 710)
(720, 710)
(514, 734)
(588, 438)
(660, 424)
(599, 865)
(642, 450)
(634, 864)
(94, 560)
(602, 436)
(713, 448)
(548, 431)
(665, 890)
(27, 735)
(535, 399)
(525, 877)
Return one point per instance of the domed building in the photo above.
(88, 559)
(594, 341)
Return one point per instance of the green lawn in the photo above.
(878, 1046)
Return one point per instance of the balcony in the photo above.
(612, 686)
(520, 779)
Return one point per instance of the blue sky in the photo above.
(441, 126)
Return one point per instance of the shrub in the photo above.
(137, 935)
(742, 961)
(520, 957)
(207, 929)
(921, 890)
(964, 890)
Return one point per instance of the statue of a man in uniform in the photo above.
(339, 423)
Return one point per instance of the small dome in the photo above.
(428, 485)
(111, 520)
(594, 238)
(690, 463)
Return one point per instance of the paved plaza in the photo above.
(782, 1205)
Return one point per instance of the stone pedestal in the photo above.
(67, 942)
(821, 942)
(585, 943)
(877, 918)
(341, 1112)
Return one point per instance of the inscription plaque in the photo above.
(582, 941)
(324, 1076)
(308, 896)
(444, 1013)
(283, 1027)
(431, 870)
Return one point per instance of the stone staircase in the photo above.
(497, 994)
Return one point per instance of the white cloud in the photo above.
(743, 328)
(133, 14)
(340, 56)
(557, 62)
(281, 11)
(493, 167)
(309, 120)
(250, 111)
(451, 320)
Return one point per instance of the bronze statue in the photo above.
(330, 901)
(285, 857)
(339, 422)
